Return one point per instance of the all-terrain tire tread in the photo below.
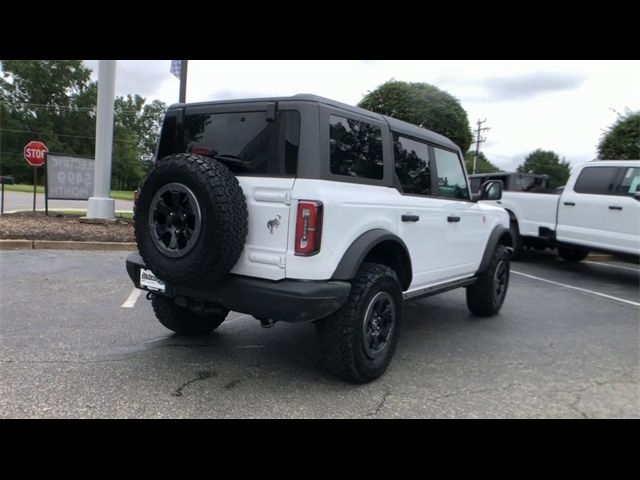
(222, 246)
(340, 337)
(182, 320)
(479, 295)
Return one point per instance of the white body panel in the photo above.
(591, 222)
(440, 251)
(350, 210)
(583, 219)
(533, 210)
(268, 200)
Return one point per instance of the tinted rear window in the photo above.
(251, 144)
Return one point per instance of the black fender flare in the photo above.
(499, 234)
(360, 248)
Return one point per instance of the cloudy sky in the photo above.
(555, 105)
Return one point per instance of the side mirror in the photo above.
(491, 190)
(637, 196)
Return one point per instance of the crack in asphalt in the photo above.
(471, 392)
(233, 383)
(202, 375)
(380, 404)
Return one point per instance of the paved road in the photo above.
(68, 349)
(24, 201)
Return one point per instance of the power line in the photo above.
(51, 105)
(61, 135)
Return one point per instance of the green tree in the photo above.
(136, 130)
(621, 141)
(55, 101)
(423, 105)
(483, 165)
(48, 100)
(547, 162)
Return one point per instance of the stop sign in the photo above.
(34, 153)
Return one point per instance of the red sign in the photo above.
(34, 153)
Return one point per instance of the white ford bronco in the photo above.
(306, 209)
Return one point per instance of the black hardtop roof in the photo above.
(396, 125)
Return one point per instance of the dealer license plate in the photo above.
(149, 281)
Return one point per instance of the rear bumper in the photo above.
(283, 300)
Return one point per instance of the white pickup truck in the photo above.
(598, 209)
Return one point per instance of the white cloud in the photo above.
(555, 105)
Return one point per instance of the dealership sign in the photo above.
(69, 177)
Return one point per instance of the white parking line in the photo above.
(133, 297)
(614, 266)
(629, 302)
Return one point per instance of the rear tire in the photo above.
(573, 254)
(183, 320)
(359, 340)
(486, 296)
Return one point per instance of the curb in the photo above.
(16, 244)
(65, 245)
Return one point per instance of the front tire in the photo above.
(573, 254)
(359, 340)
(516, 240)
(486, 296)
(184, 321)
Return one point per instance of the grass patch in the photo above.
(117, 194)
(83, 213)
(72, 212)
(122, 195)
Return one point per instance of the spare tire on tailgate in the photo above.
(190, 219)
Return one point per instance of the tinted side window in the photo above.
(596, 180)
(451, 178)
(355, 148)
(630, 183)
(412, 165)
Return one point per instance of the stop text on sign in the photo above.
(34, 153)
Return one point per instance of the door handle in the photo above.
(453, 219)
(614, 207)
(570, 204)
(410, 218)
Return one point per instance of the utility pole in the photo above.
(479, 141)
(101, 205)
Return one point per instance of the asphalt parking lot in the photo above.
(565, 345)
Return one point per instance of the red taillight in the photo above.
(308, 227)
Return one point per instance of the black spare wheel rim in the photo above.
(500, 279)
(175, 220)
(379, 321)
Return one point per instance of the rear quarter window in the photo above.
(355, 148)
